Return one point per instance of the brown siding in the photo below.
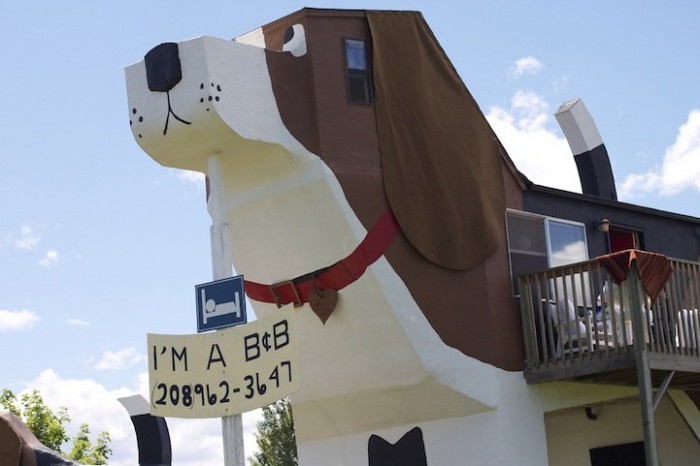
(472, 310)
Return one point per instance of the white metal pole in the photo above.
(231, 426)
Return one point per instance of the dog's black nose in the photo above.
(163, 69)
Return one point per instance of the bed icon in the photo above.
(220, 304)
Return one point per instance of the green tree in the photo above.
(39, 418)
(275, 436)
(8, 401)
(49, 427)
(85, 452)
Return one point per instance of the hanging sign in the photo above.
(226, 372)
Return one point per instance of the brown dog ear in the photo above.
(441, 161)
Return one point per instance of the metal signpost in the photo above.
(231, 426)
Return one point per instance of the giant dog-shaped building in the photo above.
(393, 206)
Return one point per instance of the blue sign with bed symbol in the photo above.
(221, 304)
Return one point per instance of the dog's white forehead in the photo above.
(223, 103)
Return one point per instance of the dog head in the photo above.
(204, 96)
(433, 183)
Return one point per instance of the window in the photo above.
(359, 83)
(627, 454)
(536, 243)
(567, 242)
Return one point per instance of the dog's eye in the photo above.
(288, 34)
(295, 40)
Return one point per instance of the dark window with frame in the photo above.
(628, 454)
(357, 66)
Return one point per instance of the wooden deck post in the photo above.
(641, 354)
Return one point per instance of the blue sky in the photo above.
(99, 245)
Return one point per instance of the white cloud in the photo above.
(561, 83)
(195, 442)
(680, 169)
(77, 322)
(204, 441)
(525, 65)
(118, 360)
(27, 240)
(538, 152)
(50, 259)
(195, 178)
(11, 321)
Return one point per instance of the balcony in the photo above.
(596, 320)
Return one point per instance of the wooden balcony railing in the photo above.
(578, 323)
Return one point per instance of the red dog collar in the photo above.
(335, 277)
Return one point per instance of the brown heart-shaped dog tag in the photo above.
(323, 302)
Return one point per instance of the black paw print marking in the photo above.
(135, 117)
(212, 93)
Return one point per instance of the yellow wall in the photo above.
(570, 434)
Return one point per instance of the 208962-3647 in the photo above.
(189, 395)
